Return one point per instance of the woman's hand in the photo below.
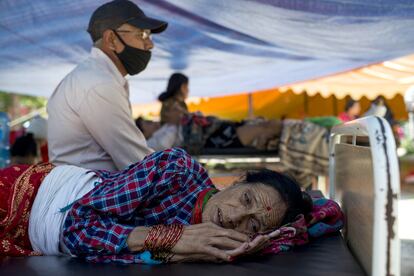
(208, 242)
(259, 243)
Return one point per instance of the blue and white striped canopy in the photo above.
(224, 46)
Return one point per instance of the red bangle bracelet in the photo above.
(162, 238)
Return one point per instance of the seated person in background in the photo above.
(24, 150)
(173, 99)
(90, 118)
(352, 111)
(380, 108)
(162, 209)
(225, 134)
(38, 127)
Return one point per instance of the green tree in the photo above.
(6, 101)
(12, 103)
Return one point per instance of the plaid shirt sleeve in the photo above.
(98, 225)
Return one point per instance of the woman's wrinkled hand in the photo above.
(208, 242)
(259, 243)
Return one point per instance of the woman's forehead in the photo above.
(272, 206)
(258, 188)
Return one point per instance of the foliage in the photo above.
(7, 100)
(408, 145)
(32, 102)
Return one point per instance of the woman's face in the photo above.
(355, 110)
(184, 90)
(247, 208)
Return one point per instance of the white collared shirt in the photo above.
(90, 121)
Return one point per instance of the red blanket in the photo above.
(18, 189)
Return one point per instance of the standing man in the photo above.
(90, 120)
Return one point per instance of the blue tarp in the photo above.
(225, 46)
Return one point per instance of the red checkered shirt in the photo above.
(161, 189)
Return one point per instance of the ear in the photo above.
(109, 39)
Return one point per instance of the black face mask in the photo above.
(134, 60)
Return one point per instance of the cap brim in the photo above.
(156, 26)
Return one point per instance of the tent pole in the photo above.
(411, 125)
(305, 103)
(250, 113)
(409, 103)
(335, 105)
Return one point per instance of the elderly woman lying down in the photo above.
(162, 209)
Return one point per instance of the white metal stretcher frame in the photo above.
(385, 258)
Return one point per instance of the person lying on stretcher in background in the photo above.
(213, 132)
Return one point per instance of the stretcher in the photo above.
(243, 155)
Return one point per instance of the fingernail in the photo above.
(231, 258)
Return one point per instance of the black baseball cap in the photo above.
(113, 14)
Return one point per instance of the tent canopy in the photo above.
(271, 104)
(274, 104)
(388, 78)
(225, 47)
